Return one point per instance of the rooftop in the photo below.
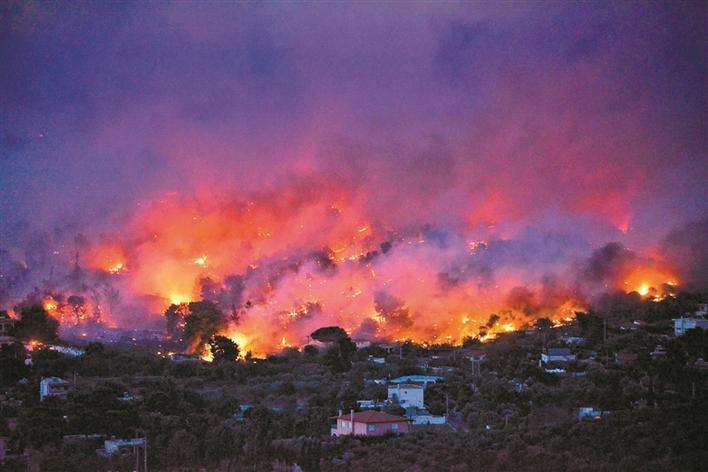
(406, 385)
(372, 416)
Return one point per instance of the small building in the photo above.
(573, 340)
(369, 423)
(53, 387)
(588, 412)
(179, 357)
(377, 360)
(556, 354)
(369, 404)
(115, 446)
(421, 416)
(423, 379)
(659, 351)
(67, 350)
(683, 324)
(389, 347)
(407, 395)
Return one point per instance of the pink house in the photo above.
(370, 423)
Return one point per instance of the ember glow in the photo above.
(401, 171)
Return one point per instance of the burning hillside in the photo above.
(280, 264)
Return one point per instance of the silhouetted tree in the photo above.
(35, 323)
(223, 349)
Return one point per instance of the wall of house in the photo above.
(407, 397)
(381, 428)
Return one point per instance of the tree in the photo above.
(329, 334)
(35, 323)
(223, 349)
(310, 350)
(12, 363)
(174, 318)
(202, 322)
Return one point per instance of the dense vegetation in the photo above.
(266, 414)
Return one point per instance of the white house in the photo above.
(53, 387)
(113, 446)
(407, 395)
(377, 360)
(683, 324)
(421, 416)
(588, 412)
(556, 354)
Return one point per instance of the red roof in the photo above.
(373, 416)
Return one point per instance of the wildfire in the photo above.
(207, 355)
(201, 261)
(652, 283)
(116, 268)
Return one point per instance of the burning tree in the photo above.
(223, 349)
(195, 323)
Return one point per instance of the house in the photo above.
(369, 423)
(443, 370)
(369, 404)
(424, 379)
(683, 324)
(421, 416)
(389, 348)
(114, 446)
(68, 351)
(377, 360)
(556, 354)
(53, 387)
(626, 358)
(407, 395)
(556, 371)
(659, 351)
(572, 339)
(588, 412)
(178, 357)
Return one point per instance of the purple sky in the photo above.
(558, 113)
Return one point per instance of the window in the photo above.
(394, 427)
(371, 428)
